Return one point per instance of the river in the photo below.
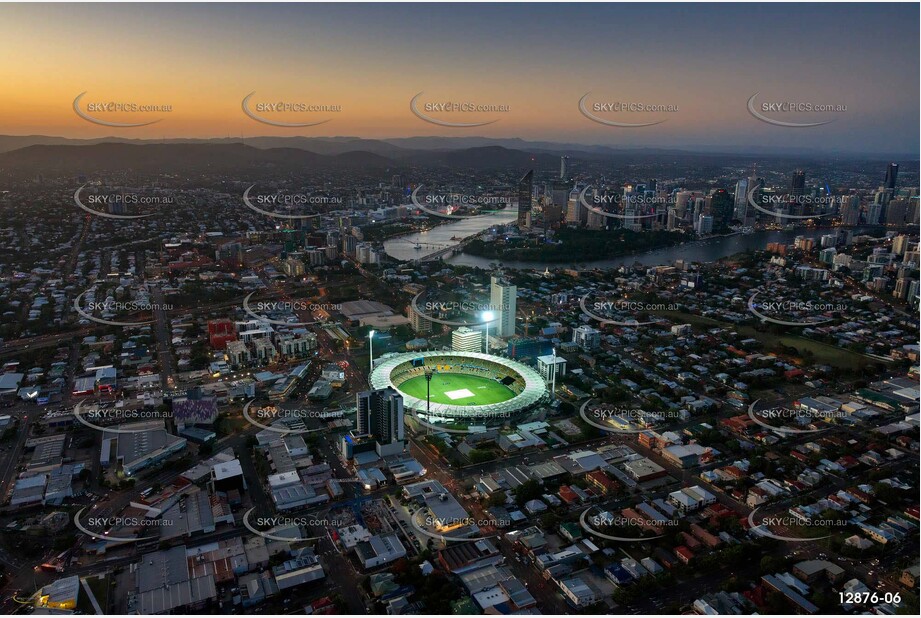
(706, 250)
(404, 247)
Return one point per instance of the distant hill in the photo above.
(44, 154)
(409, 147)
(231, 157)
(177, 157)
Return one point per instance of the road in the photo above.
(164, 339)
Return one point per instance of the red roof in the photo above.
(600, 477)
(567, 495)
(684, 552)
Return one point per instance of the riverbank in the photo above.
(577, 244)
(703, 250)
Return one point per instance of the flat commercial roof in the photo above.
(228, 469)
(10, 381)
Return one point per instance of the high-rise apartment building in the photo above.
(380, 416)
(892, 175)
(525, 196)
(503, 299)
(466, 339)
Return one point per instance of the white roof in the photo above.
(228, 469)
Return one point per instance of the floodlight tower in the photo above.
(371, 348)
(553, 384)
(429, 373)
(488, 316)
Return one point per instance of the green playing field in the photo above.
(459, 390)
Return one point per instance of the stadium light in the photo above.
(371, 348)
(488, 316)
(553, 384)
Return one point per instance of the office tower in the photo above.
(349, 244)
(465, 339)
(896, 211)
(503, 301)
(553, 212)
(525, 192)
(882, 196)
(874, 212)
(380, 416)
(740, 199)
(682, 199)
(672, 221)
(564, 163)
(721, 206)
(798, 182)
(892, 174)
(595, 220)
(704, 225)
(850, 210)
(559, 193)
(575, 213)
(697, 207)
(912, 217)
(630, 220)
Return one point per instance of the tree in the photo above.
(477, 456)
(527, 491)
(497, 499)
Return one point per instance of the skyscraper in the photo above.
(525, 192)
(798, 182)
(553, 212)
(380, 416)
(892, 173)
(721, 207)
(896, 211)
(741, 200)
(503, 299)
(705, 225)
(575, 213)
(564, 162)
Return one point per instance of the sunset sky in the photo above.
(539, 60)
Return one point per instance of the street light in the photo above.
(488, 316)
(371, 348)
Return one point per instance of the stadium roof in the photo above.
(534, 387)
